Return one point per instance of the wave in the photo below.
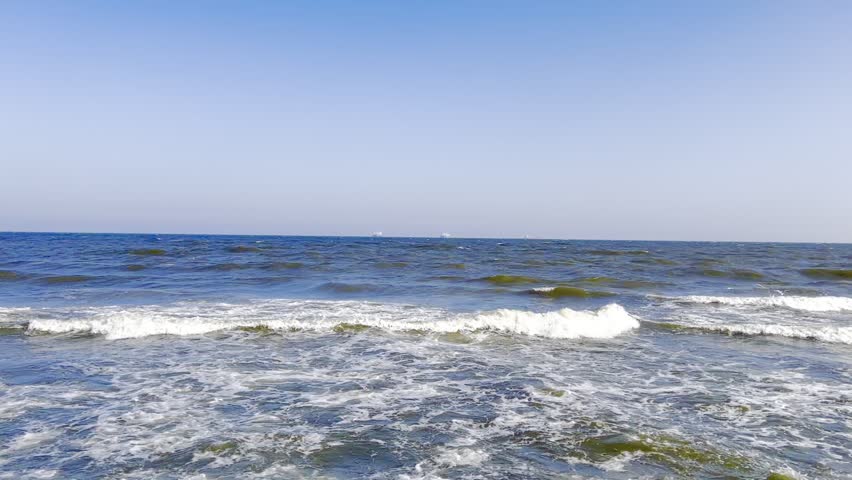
(511, 279)
(12, 329)
(830, 334)
(618, 252)
(61, 279)
(340, 287)
(155, 252)
(735, 274)
(9, 275)
(328, 316)
(808, 304)
(243, 249)
(824, 334)
(606, 322)
(572, 292)
(828, 273)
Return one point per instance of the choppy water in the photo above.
(143, 356)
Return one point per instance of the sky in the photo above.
(715, 120)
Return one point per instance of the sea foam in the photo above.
(828, 334)
(810, 318)
(322, 316)
(808, 304)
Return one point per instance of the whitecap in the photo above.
(323, 316)
(808, 304)
(824, 334)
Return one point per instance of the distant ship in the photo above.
(376, 234)
(445, 235)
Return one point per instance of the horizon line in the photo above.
(439, 237)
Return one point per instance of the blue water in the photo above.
(172, 356)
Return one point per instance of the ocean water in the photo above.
(166, 356)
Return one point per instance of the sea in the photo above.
(282, 357)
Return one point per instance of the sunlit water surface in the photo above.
(144, 356)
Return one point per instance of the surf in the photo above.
(807, 304)
(117, 322)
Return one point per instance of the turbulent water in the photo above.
(144, 356)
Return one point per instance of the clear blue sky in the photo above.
(715, 120)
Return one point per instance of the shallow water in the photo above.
(143, 356)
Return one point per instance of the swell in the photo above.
(828, 334)
(330, 316)
(808, 304)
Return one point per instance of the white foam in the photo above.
(34, 474)
(32, 439)
(200, 318)
(812, 318)
(543, 289)
(165, 403)
(10, 317)
(606, 322)
(15, 407)
(808, 304)
(464, 456)
(10, 310)
(823, 334)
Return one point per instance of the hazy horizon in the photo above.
(400, 236)
(722, 121)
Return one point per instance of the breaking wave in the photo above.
(808, 304)
(823, 334)
(830, 334)
(327, 316)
